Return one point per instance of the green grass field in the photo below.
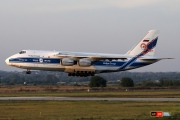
(89, 110)
(119, 94)
(85, 110)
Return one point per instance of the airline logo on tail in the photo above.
(146, 48)
(143, 46)
(150, 46)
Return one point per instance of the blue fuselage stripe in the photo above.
(97, 63)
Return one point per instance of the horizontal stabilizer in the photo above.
(149, 59)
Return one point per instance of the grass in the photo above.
(80, 91)
(119, 94)
(85, 110)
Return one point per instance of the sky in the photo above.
(103, 26)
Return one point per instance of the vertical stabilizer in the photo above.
(146, 45)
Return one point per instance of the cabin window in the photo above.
(22, 52)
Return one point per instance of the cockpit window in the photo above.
(22, 52)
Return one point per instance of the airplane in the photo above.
(88, 64)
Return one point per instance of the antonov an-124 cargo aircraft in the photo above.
(87, 64)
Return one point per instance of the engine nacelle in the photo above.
(67, 62)
(85, 62)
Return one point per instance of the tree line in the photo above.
(159, 83)
(46, 77)
(98, 81)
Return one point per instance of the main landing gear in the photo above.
(28, 71)
(81, 74)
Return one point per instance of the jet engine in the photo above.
(85, 62)
(67, 62)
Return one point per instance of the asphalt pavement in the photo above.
(89, 98)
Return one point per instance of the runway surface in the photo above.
(89, 98)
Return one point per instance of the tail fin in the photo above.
(146, 45)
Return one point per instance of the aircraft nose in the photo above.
(7, 61)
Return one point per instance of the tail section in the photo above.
(147, 45)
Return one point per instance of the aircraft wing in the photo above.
(94, 57)
(97, 57)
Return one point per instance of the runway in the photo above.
(89, 99)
